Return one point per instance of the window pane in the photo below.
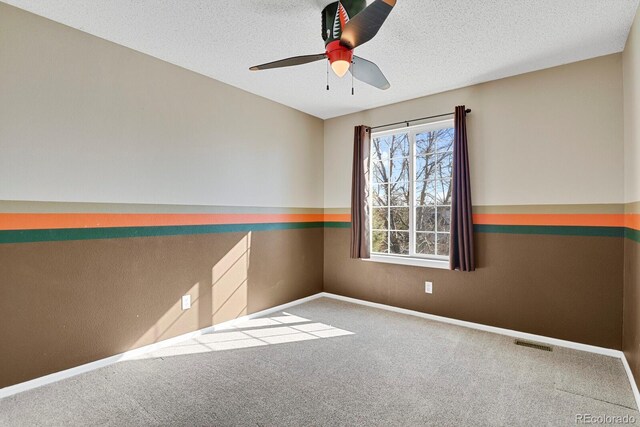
(379, 219)
(380, 149)
(426, 243)
(380, 195)
(378, 156)
(443, 192)
(425, 219)
(444, 218)
(400, 194)
(443, 244)
(393, 184)
(399, 145)
(425, 167)
(444, 139)
(380, 171)
(425, 143)
(445, 162)
(425, 193)
(399, 170)
(399, 219)
(399, 243)
(380, 242)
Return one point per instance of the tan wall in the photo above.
(63, 304)
(551, 137)
(631, 70)
(86, 120)
(83, 119)
(548, 137)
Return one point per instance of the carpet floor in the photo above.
(328, 362)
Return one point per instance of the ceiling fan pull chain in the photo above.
(327, 74)
(352, 91)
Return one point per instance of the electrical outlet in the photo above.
(428, 287)
(186, 302)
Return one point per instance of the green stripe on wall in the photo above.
(551, 230)
(50, 235)
(25, 236)
(632, 234)
(565, 230)
(337, 225)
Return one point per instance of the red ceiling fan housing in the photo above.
(337, 52)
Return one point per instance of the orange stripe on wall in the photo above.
(593, 220)
(36, 221)
(337, 217)
(632, 221)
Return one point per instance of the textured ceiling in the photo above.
(424, 47)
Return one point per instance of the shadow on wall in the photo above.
(229, 279)
(67, 303)
(227, 292)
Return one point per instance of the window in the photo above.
(410, 200)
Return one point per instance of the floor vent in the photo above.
(533, 345)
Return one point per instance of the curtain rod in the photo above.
(468, 110)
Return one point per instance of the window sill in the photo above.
(415, 262)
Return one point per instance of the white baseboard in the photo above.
(128, 355)
(48, 379)
(634, 386)
(481, 327)
(508, 332)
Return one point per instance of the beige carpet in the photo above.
(327, 362)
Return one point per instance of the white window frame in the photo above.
(413, 259)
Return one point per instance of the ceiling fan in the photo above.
(346, 24)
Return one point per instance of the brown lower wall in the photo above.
(68, 303)
(565, 287)
(631, 329)
(64, 304)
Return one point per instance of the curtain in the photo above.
(461, 254)
(360, 245)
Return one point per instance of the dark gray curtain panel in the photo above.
(461, 254)
(360, 245)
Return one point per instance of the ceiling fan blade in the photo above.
(362, 27)
(368, 72)
(289, 62)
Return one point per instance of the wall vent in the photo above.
(535, 345)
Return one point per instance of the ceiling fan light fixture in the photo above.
(340, 58)
(340, 67)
